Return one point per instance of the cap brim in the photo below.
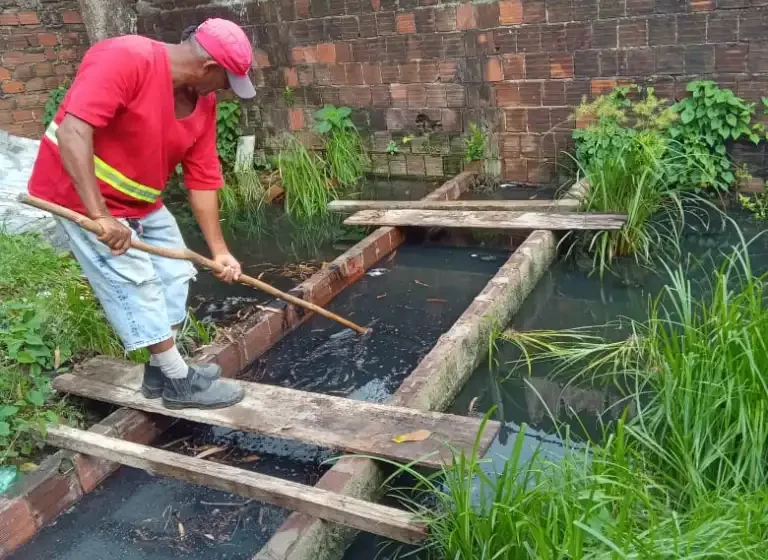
(241, 85)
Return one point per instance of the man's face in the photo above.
(211, 78)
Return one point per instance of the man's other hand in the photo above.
(231, 266)
(114, 234)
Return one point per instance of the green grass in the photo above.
(242, 202)
(304, 176)
(685, 477)
(346, 157)
(634, 182)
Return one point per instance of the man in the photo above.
(136, 109)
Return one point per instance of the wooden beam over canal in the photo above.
(562, 205)
(332, 422)
(381, 520)
(491, 219)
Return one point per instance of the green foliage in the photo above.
(290, 96)
(55, 97)
(227, 132)
(615, 120)
(392, 148)
(241, 202)
(757, 205)
(343, 145)
(304, 177)
(709, 118)
(194, 334)
(475, 144)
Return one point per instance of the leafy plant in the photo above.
(709, 118)
(304, 176)
(227, 132)
(475, 144)
(757, 205)
(290, 96)
(55, 97)
(392, 147)
(343, 145)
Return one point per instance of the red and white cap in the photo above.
(228, 45)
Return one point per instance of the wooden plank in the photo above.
(352, 512)
(327, 421)
(489, 219)
(349, 206)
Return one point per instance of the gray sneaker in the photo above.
(154, 381)
(189, 392)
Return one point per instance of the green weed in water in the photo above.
(344, 149)
(304, 177)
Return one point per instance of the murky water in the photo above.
(567, 297)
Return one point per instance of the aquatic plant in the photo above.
(304, 176)
(344, 149)
(475, 143)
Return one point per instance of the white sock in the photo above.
(152, 358)
(170, 363)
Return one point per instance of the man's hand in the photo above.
(232, 268)
(114, 234)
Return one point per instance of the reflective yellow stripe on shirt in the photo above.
(112, 176)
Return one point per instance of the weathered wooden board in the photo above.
(564, 205)
(488, 220)
(366, 516)
(327, 421)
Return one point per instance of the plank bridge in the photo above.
(350, 426)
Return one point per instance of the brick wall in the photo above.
(40, 44)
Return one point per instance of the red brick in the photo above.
(510, 12)
(291, 77)
(9, 19)
(343, 52)
(17, 524)
(375, 5)
(338, 74)
(447, 70)
(302, 9)
(599, 87)
(405, 23)
(296, 119)
(702, 5)
(534, 11)
(354, 74)
(446, 19)
(23, 115)
(417, 96)
(67, 55)
(355, 96)
(64, 69)
(507, 95)
(13, 87)
(49, 53)
(8, 104)
(465, 17)
(260, 59)
(515, 169)
(29, 18)
(514, 66)
(43, 69)
(429, 71)
(70, 16)
(371, 74)
(48, 491)
(326, 53)
(47, 39)
(561, 66)
(4, 74)
(399, 95)
(492, 71)
(35, 84)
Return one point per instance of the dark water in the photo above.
(130, 515)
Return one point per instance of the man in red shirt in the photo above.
(136, 109)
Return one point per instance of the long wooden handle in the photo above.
(185, 255)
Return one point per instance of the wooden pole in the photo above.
(186, 255)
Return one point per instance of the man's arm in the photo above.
(75, 140)
(205, 205)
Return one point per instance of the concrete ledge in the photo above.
(65, 477)
(433, 385)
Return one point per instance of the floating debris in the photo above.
(377, 272)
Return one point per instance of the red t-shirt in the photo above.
(123, 89)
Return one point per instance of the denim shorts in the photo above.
(142, 295)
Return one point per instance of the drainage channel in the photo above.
(410, 298)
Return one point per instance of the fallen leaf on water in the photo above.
(56, 358)
(381, 296)
(28, 467)
(250, 459)
(436, 300)
(420, 283)
(209, 537)
(181, 530)
(210, 451)
(418, 435)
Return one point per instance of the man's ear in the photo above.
(210, 66)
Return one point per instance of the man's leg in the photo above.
(133, 300)
(160, 228)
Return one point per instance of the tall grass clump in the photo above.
(241, 202)
(304, 177)
(697, 370)
(344, 150)
(629, 162)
